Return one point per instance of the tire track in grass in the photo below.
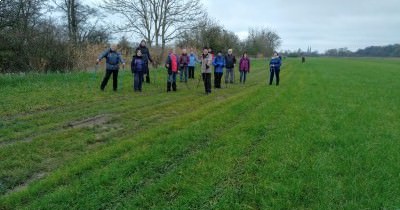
(209, 141)
(155, 187)
(121, 150)
(156, 169)
(145, 120)
(239, 191)
(230, 176)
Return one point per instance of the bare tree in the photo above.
(158, 21)
(262, 41)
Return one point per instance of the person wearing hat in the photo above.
(146, 56)
(113, 59)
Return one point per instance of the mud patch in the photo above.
(90, 122)
(25, 185)
(13, 141)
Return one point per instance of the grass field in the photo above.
(327, 138)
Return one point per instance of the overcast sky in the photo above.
(321, 24)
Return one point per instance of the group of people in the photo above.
(184, 65)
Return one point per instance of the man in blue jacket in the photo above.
(275, 68)
(113, 59)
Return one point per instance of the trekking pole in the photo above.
(200, 78)
(94, 77)
(122, 77)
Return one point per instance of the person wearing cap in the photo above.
(274, 68)
(113, 60)
(146, 56)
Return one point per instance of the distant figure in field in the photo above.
(274, 68)
(219, 64)
(192, 64)
(184, 63)
(230, 62)
(206, 62)
(146, 55)
(113, 59)
(172, 64)
(244, 67)
(303, 59)
(138, 68)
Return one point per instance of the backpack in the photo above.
(112, 58)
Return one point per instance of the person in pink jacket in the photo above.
(244, 67)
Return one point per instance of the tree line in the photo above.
(371, 51)
(67, 35)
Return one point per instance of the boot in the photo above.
(174, 86)
(168, 86)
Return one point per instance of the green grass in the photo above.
(327, 138)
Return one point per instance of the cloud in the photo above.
(320, 24)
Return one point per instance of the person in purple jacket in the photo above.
(275, 68)
(244, 67)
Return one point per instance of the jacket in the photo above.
(192, 60)
(230, 61)
(184, 60)
(206, 62)
(137, 64)
(219, 64)
(113, 59)
(275, 63)
(244, 64)
(145, 53)
(172, 66)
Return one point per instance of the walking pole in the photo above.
(122, 77)
(94, 77)
(200, 78)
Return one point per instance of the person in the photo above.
(147, 57)
(230, 61)
(137, 68)
(192, 64)
(275, 68)
(303, 59)
(244, 67)
(113, 60)
(172, 64)
(206, 61)
(219, 64)
(184, 62)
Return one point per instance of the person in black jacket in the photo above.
(230, 62)
(146, 56)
